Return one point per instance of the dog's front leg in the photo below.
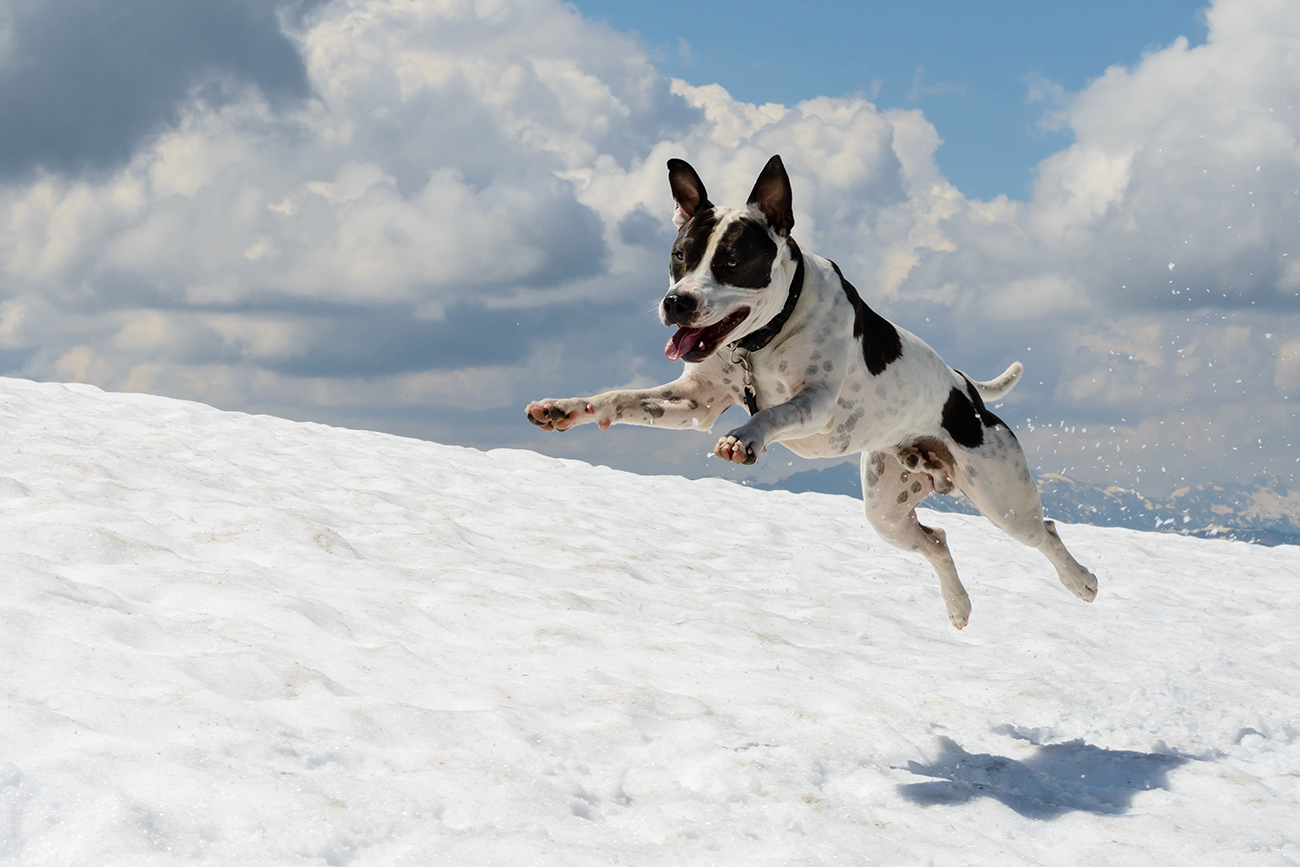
(688, 402)
(805, 414)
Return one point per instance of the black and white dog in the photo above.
(762, 323)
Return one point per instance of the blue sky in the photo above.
(968, 66)
(417, 216)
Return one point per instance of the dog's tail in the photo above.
(995, 388)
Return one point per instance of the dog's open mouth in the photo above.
(697, 344)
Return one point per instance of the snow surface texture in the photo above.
(234, 639)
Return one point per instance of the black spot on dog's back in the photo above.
(881, 345)
(985, 414)
(965, 416)
(692, 241)
(961, 421)
(744, 255)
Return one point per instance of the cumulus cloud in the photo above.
(1189, 158)
(357, 232)
(1176, 211)
(418, 215)
(81, 83)
(455, 167)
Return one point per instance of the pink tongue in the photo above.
(682, 342)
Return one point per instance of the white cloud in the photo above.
(1036, 298)
(1287, 375)
(454, 153)
(509, 156)
(920, 90)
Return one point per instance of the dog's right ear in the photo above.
(688, 192)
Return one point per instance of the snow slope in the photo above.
(233, 639)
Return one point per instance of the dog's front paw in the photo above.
(740, 450)
(559, 414)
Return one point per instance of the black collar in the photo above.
(763, 336)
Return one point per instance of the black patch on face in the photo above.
(692, 240)
(744, 256)
(881, 345)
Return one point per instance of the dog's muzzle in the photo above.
(696, 344)
(679, 307)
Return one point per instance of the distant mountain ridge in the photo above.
(1264, 511)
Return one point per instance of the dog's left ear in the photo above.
(771, 196)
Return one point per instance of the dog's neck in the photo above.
(756, 340)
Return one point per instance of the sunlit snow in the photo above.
(233, 639)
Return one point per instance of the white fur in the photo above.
(816, 396)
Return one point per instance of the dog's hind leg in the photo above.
(995, 477)
(1072, 573)
(891, 494)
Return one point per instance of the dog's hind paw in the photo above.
(1089, 591)
(958, 610)
(1082, 585)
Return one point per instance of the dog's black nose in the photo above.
(679, 307)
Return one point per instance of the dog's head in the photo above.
(731, 267)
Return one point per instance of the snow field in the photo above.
(234, 639)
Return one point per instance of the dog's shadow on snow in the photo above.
(1059, 779)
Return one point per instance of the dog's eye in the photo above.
(731, 263)
(679, 255)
